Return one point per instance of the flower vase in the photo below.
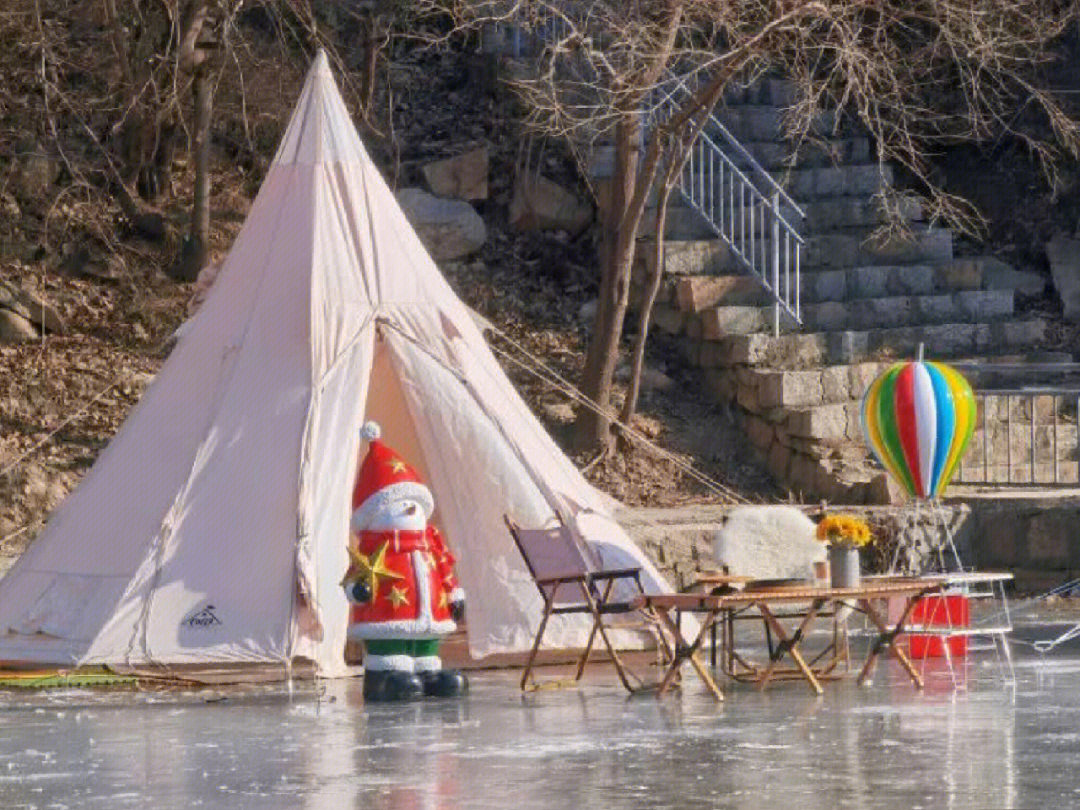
(844, 566)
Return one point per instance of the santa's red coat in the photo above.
(412, 595)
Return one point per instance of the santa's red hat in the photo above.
(384, 477)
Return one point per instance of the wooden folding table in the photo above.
(817, 600)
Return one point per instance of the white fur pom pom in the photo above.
(370, 431)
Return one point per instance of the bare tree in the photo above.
(916, 73)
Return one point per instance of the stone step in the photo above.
(764, 122)
(851, 247)
(805, 349)
(778, 388)
(1031, 371)
(776, 156)
(692, 286)
(822, 214)
(804, 185)
(864, 314)
(769, 91)
(832, 424)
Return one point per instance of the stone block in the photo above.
(789, 388)
(936, 308)
(746, 396)
(882, 489)
(960, 274)
(915, 279)
(825, 285)
(835, 384)
(826, 316)
(690, 257)
(696, 293)
(985, 305)
(821, 422)
(724, 321)
(869, 282)
(860, 375)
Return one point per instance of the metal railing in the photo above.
(745, 214)
(743, 208)
(1024, 437)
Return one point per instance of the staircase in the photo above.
(863, 304)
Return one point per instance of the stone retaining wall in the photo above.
(1037, 539)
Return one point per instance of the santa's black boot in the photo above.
(403, 686)
(375, 685)
(444, 683)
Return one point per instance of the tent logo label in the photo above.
(202, 619)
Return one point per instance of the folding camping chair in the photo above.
(568, 583)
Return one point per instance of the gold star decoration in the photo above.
(398, 597)
(398, 466)
(371, 570)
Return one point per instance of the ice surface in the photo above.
(319, 748)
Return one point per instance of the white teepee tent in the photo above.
(213, 528)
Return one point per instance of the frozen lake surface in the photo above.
(884, 745)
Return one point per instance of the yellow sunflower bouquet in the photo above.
(845, 531)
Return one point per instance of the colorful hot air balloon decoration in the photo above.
(918, 418)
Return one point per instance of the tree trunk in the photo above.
(200, 208)
(620, 241)
(651, 291)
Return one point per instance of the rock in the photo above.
(542, 205)
(151, 226)
(463, 177)
(449, 229)
(202, 286)
(587, 312)
(1064, 256)
(768, 542)
(560, 412)
(997, 275)
(35, 173)
(14, 328)
(9, 206)
(31, 308)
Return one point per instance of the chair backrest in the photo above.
(550, 553)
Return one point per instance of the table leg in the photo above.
(790, 645)
(887, 638)
(684, 651)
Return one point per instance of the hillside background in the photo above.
(95, 276)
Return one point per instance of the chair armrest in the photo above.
(614, 573)
(562, 580)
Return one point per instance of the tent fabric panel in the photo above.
(476, 479)
(326, 491)
(136, 478)
(242, 486)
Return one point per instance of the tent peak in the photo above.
(321, 64)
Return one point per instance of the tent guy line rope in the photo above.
(554, 379)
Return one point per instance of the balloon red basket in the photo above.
(945, 612)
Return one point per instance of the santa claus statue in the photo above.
(400, 581)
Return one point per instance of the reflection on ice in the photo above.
(319, 748)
